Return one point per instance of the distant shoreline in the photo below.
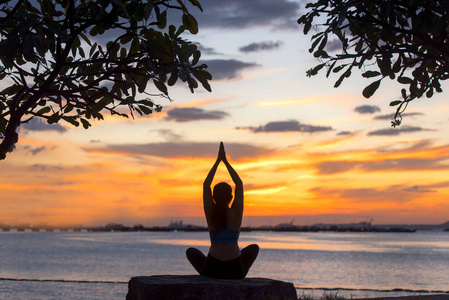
(193, 228)
(180, 226)
(418, 297)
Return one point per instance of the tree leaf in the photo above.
(173, 77)
(145, 109)
(404, 94)
(307, 26)
(329, 70)
(196, 3)
(338, 68)
(369, 74)
(71, 121)
(43, 111)
(183, 7)
(161, 86)
(347, 73)
(317, 38)
(323, 43)
(395, 103)
(404, 80)
(162, 20)
(85, 123)
(371, 89)
(54, 118)
(190, 23)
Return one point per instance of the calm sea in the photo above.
(85, 265)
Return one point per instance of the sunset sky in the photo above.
(305, 151)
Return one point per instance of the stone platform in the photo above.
(196, 287)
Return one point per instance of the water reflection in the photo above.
(183, 242)
(419, 242)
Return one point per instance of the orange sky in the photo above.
(304, 150)
(98, 185)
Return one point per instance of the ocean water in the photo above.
(92, 265)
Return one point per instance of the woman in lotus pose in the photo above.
(225, 260)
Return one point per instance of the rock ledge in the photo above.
(187, 287)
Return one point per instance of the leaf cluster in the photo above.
(406, 40)
(59, 66)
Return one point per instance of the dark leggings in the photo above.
(210, 266)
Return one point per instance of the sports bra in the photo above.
(224, 236)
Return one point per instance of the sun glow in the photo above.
(265, 191)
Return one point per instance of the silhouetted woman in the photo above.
(224, 260)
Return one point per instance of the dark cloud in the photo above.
(40, 167)
(367, 109)
(419, 189)
(226, 68)
(400, 164)
(437, 161)
(345, 133)
(394, 193)
(262, 46)
(187, 114)
(61, 183)
(396, 131)
(206, 50)
(287, 126)
(36, 150)
(391, 116)
(237, 14)
(38, 125)
(333, 167)
(185, 149)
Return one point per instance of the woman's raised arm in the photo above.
(238, 193)
(208, 203)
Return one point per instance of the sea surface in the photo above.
(93, 265)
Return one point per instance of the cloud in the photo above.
(367, 109)
(418, 189)
(391, 116)
(261, 46)
(403, 159)
(333, 167)
(393, 193)
(287, 126)
(237, 14)
(345, 133)
(400, 164)
(38, 125)
(39, 167)
(187, 114)
(226, 68)
(37, 150)
(206, 50)
(184, 149)
(170, 135)
(396, 131)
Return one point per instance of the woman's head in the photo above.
(222, 194)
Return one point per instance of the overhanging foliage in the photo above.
(58, 67)
(406, 40)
